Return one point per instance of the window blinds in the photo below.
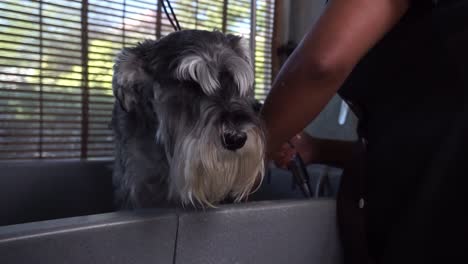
(56, 59)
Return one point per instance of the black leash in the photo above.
(300, 175)
(173, 20)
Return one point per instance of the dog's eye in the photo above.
(192, 88)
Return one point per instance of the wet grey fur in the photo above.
(174, 99)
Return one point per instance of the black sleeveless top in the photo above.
(410, 93)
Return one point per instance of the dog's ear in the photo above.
(241, 46)
(129, 78)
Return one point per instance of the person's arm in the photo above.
(320, 64)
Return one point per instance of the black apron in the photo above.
(403, 198)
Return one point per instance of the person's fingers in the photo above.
(283, 164)
(286, 153)
(284, 158)
(285, 147)
(281, 161)
(299, 139)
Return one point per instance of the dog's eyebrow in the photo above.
(204, 66)
(242, 73)
(196, 68)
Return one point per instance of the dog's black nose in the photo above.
(233, 140)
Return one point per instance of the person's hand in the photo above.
(303, 144)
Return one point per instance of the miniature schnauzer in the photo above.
(185, 124)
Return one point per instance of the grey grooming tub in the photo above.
(61, 212)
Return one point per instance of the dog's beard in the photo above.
(204, 173)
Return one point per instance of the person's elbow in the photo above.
(325, 68)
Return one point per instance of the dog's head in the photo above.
(199, 85)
